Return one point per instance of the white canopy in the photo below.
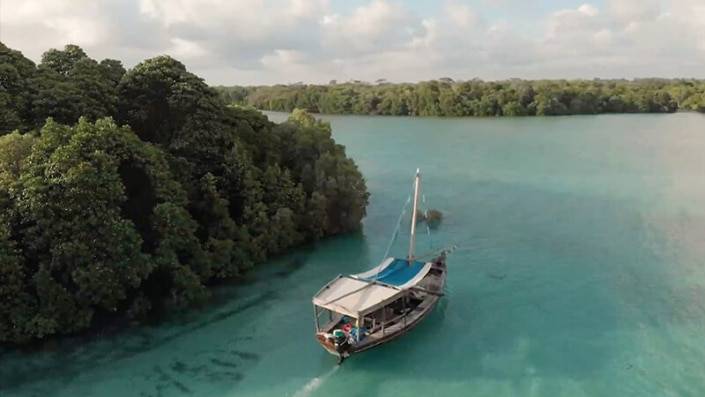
(360, 294)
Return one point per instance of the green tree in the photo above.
(69, 85)
(17, 306)
(62, 61)
(112, 70)
(330, 173)
(447, 97)
(16, 73)
(98, 220)
(100, 216)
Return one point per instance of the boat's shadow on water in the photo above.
(554, 291)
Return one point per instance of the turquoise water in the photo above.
(579, 272)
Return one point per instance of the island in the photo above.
(126, 192)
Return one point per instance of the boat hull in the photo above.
(428, 304)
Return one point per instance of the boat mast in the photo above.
(412, 242)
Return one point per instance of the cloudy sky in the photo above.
(282, 41)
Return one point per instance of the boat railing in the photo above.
(394, 320)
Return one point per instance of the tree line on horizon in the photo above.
(445, 97)
(127, 192)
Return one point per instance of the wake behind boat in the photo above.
(364, 310)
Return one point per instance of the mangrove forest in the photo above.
(446, 97)
(126, 192)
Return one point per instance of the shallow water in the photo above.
(579, 272)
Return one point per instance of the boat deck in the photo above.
(397, 319)
(434, 283)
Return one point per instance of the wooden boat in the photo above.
(361, 311)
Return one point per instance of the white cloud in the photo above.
(462, 15)
(589, 10)
(374, 26)
(268, 41)
(633, 10)
(238, 32)
(186, 48)
(38, 25)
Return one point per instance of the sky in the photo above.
(314, 41)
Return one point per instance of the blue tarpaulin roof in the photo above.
(359, 294)
(398, 272)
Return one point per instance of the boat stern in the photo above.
(328, 343)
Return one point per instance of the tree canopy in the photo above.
(124, 192)
(446, 97)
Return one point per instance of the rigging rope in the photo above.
(447, 250)
(428, 228)
(396, 229)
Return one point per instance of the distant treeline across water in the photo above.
(446, 97)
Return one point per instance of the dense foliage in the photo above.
(124, 192)
(479, 98)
